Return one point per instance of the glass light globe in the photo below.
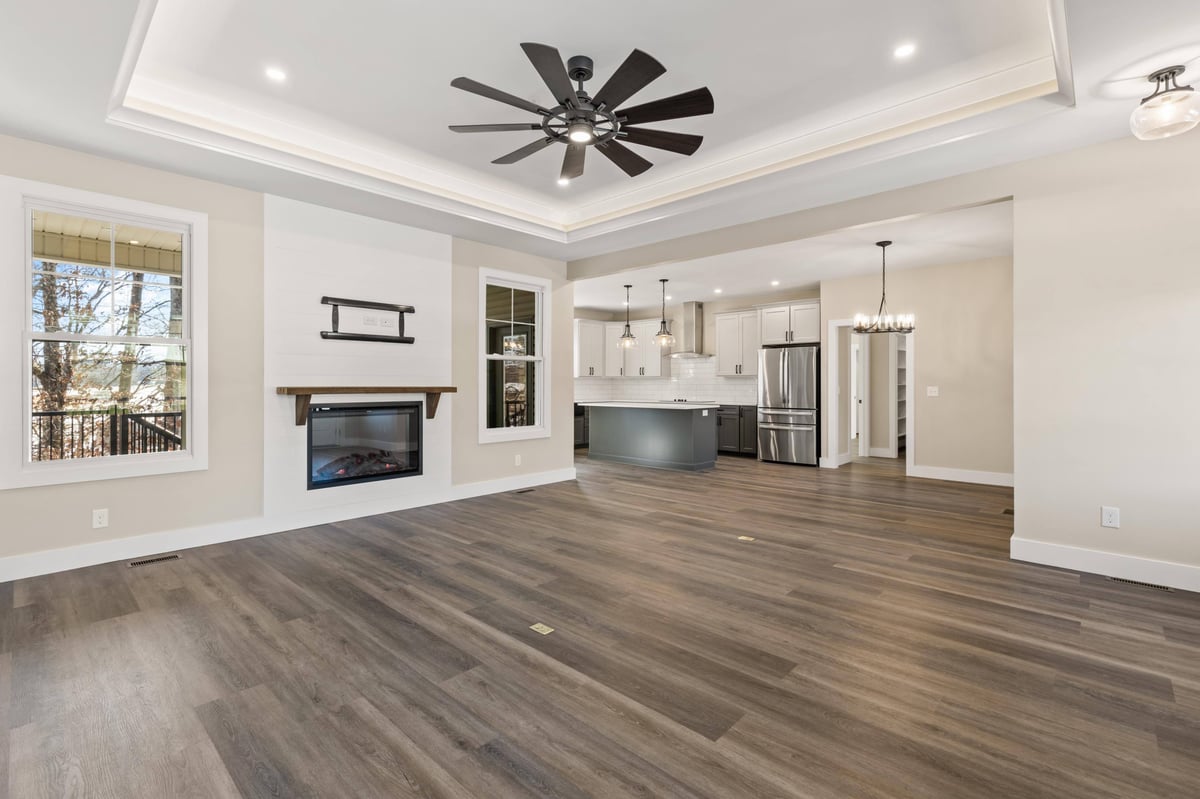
(580, 132)
(1165, 115)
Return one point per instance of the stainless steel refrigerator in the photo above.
(788, 392)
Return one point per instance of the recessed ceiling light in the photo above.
(774, 282)
(276, 74)
(904, 50)
(668, 296)
(134, 241)
(563, 181)
(716, 291)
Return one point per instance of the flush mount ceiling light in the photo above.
(276, 74)
(579, 121)
(627, 341)
(884, 322)
(664, 337)
(904, 51)
(1170, 110)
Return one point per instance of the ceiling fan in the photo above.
(580, 121)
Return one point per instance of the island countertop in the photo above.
(669, 405)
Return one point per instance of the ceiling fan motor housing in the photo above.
(579, 67)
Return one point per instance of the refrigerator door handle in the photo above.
(762, 426)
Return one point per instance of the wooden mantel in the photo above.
(303, 395)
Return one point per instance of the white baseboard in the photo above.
(514, 483)
(880, 452)
(961, 475)
(16, 567)
(841, 459)
(1110, 564)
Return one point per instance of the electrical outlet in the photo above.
(516, 460)
(932, 391)
(99, 518)
(369, 320)
(387, 321)
(1110, 517)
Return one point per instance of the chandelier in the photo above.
(882, 321)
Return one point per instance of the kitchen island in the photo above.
(663, 435)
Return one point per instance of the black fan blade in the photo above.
(495, 128)
(634, 74)
(573, 161)
(549, 64)
(684, 143)
(629, 161)
(524, 152)
(475, 87)
(688, 104)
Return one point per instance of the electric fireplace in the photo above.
(361, 442)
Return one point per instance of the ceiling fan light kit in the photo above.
(1169, 110)
(579, 120)
(883, 321)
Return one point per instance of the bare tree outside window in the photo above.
(108, 360)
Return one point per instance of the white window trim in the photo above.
(17, 198)
(543, 288)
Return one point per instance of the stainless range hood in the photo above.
(690, 335)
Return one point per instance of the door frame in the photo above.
(832, 390)
(863, 411)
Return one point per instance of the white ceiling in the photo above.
(378, 71)
(74, 94)
(958, 236)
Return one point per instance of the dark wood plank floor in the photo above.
(873, 641)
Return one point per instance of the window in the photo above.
(513, 370)
(109, 349)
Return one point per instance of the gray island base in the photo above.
(662, 435)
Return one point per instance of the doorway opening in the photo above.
(869, 395)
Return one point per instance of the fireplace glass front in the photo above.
(356, 443)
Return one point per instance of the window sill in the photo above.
(500, 435)
(113, 467)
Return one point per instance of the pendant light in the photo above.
(627, 341)
(1170, 109)
(664, 337)
(884, 322)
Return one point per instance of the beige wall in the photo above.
(963, 345)
(472, 461)
(60, 516)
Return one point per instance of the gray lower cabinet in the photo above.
(582, 430)
(737, 429)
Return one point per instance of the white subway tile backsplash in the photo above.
(693, 379)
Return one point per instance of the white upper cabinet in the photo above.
(806, 323)
(797, 323)
(775, 325)
(749, 324)
(652, 360)
(737, 343)
(589, 348)
(615, 357)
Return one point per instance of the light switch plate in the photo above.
(932, 391)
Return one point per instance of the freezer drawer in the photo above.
(786, 417)
(788, 443)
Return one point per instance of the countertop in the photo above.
(667, 406)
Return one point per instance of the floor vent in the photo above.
(155, 559)
(523, 491)
(1143, 585)
(1007, 511)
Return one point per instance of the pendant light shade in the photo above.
(883, 321)
(664, 337)
(627, 341)
(1170, 110)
